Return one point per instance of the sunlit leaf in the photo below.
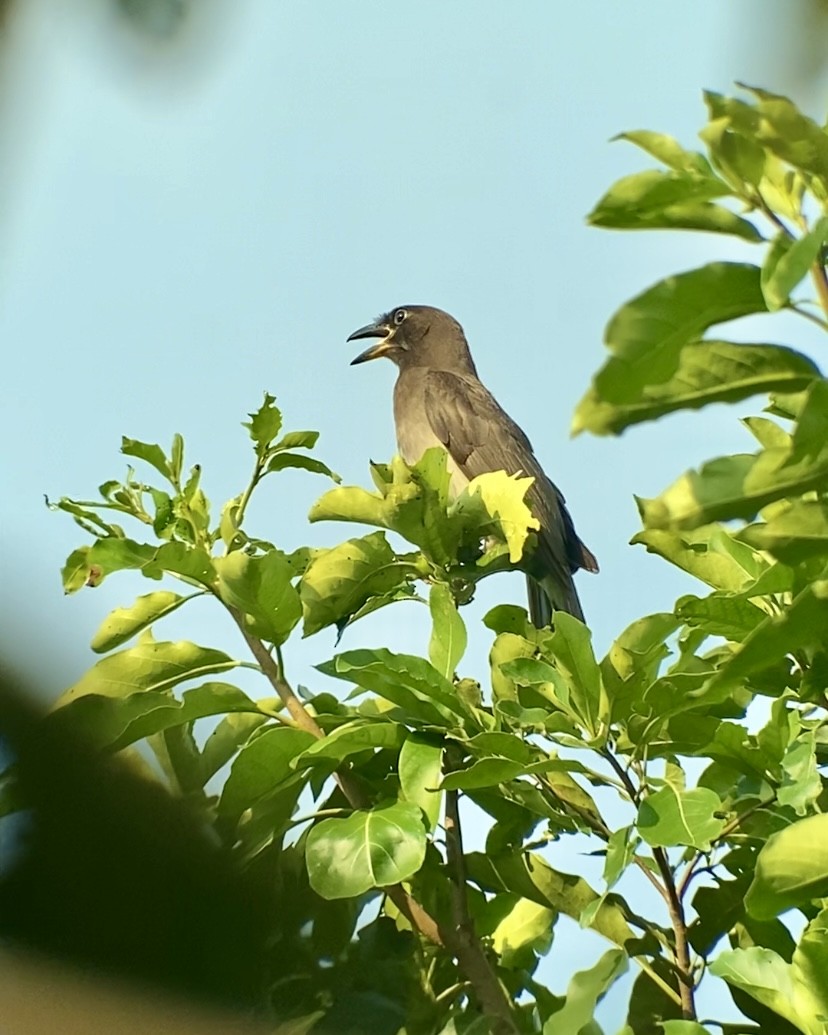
(149, 665)
(448, 631)
(125, 622)
(420, 769)
(261, 588)
(674, 817)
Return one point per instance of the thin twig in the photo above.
(668, 892)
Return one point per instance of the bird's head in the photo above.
(417, 336)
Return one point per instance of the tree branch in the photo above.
(679, 924)
(460, 940)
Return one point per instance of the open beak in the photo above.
(373, 330)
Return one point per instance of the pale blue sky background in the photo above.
(185, 228)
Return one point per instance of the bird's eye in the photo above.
(399, 316)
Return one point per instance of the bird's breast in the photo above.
(414, 432)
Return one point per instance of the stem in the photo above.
(471, 959)
(457, 865)
(682, 950)
(675, 908)
(255, 478)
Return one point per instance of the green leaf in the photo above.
(420, 768)
(149, 452)
(669, 200)
(338, 582)
(706, 372)
(261, 588)
(648, 334)
(668, 150)
(800, 626)
(233, 731)
(797, 533)
(369, 849)
(306, 463)
(571, 646)
(675, 817)
(89, 565)
(116, 722)
(719, 615)
(297, 440)
(191, 562)
(586, 989)
(784, 130)
(527, 874)
(633, 660)
(780, 986)
(786, 267)
(486, 772)
(448, 632)
(405, 680)
(124, 622)
(264, 425)
(801, 784)
(350, 739)
(501, 496)
(791, 869)
(741, 485)
(527, 925)
(261, 766)
(677, 1027)
(150, 665)
(75, 571)
(709, 552)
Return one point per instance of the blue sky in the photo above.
(187, 227)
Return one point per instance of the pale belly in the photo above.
(413, 439)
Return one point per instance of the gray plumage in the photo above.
(439, 400)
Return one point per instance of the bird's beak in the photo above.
(373, 330)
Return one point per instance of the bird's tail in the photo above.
(547, 595)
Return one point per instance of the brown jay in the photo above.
(440, 401)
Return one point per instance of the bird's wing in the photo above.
(481, 437)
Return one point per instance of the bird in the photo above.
(439, 400)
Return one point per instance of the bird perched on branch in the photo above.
(440, 401)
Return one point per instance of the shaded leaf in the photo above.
(369, 849)
(706, 372)
(403, 679)
(261, 766)
(791, 869)
(647, 335)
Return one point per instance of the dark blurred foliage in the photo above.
(112, 873)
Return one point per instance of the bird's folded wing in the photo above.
(481, 437)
